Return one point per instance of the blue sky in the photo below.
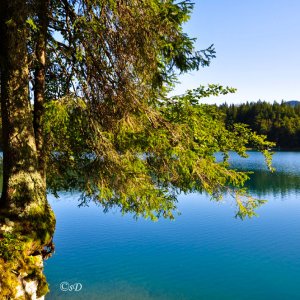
(257, 44)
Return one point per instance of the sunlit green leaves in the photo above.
(32, 24)
(148, 157)
(246, 205)
(111, 130)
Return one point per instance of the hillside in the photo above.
(292, 103)
(280, 122)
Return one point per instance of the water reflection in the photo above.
(285, 180)
(263, 183)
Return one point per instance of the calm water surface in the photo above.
(204, 254)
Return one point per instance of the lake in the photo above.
(205, 253)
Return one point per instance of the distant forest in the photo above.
(280, 122)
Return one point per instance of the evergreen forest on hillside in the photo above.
(280, 122)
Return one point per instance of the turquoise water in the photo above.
(204, 254)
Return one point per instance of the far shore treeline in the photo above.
(280, 122)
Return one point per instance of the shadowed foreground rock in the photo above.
(22, 251)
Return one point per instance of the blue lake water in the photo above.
(204, 254)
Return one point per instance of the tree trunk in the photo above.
(39, 83)
(24, 190)
(28, 217)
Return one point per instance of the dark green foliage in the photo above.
(280, 122)
(148, 157)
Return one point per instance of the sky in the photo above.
(257, 44)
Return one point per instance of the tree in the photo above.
(84, 106)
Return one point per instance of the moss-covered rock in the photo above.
(24, 243)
